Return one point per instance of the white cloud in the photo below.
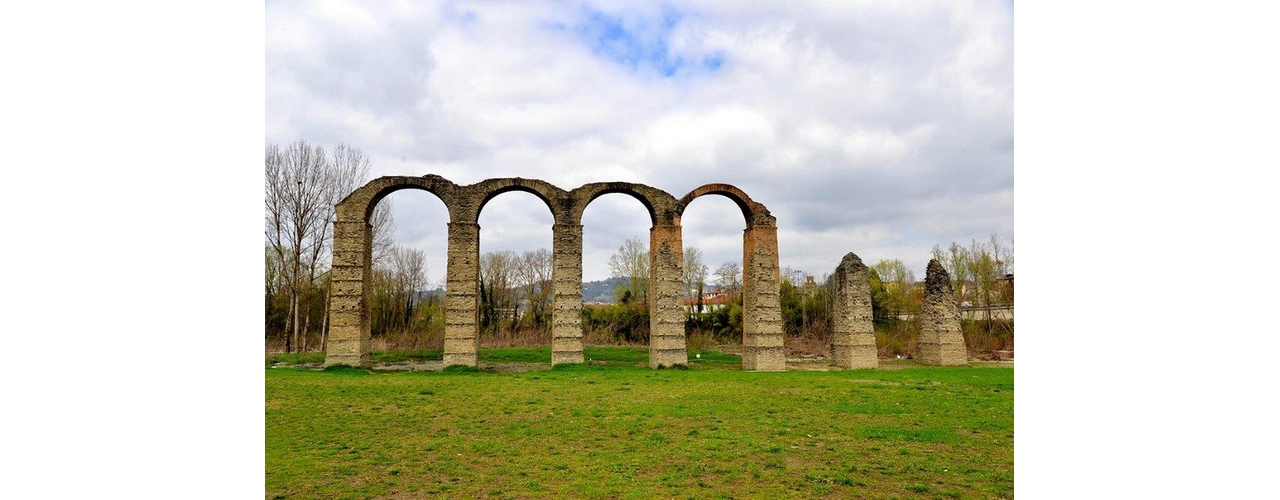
(874, 127)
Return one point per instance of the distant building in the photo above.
(712, 300)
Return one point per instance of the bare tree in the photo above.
(632, 262)
(303, 184)
(534, 271)
(383, 230)
(409, 274)
(294, 199)
(729, 277)
(694, 275)
(1003, 255)
(394, 289)
(497, 287)
(275, 273)
(956, 261)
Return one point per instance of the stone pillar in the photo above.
(666, 313)
(462, 297)
(348, 340)
(761, 310)
(853, 341)
(941, 341)
(566, 301)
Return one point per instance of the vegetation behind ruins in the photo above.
(515, 310)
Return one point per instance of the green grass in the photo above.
(295, 358)
(612, 430)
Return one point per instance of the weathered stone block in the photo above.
(346, 288)
(460, 351)
(567, 357)
(853, 330)
(855, 357)
(460, 359)
(348, 273)
(347, 351)
(667, 358)
(765, 359)
(941, 340)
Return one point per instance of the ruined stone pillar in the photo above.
(348, 340)
(566, 301)
(761, 309)
(941, 341)
(853, 340)
(462, 297)
(666, 313)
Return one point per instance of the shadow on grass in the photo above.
(347, 370)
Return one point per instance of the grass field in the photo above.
(614, 430)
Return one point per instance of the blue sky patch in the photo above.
(637, 43)
(713, 62)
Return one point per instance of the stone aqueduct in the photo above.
(761, 319)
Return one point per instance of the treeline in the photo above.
(515, 298)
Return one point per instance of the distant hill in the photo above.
(424, 295)
(601, 291)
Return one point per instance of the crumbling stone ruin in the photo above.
(941, 340)
(853, 338)
(762, 314)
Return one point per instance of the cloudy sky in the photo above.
(880, 128)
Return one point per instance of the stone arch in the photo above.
(762, 339)
(660, 204)
(361, 202)
(482, 192)
(753, 213)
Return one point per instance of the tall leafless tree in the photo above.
(729, 277)
(631, 261)
(955, 259)
(534, 272)
(303, 184)
(498, 279)
(694, 274)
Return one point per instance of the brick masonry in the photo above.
(762, 322)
